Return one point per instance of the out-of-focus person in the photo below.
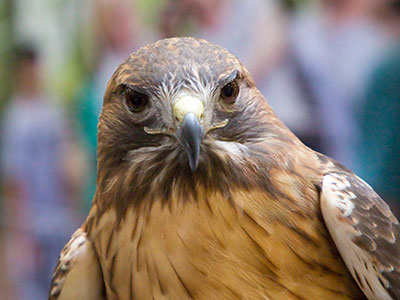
(253, 30)
(37, 215)
(117, 34)
(334, 44)
(379, 122)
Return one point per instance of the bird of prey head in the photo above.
(170, 120)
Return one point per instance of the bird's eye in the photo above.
(136, 101)
(229, 92)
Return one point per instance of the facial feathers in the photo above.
(144, 145)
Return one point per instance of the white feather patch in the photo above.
(337, 207)
(236, 151)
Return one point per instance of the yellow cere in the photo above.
(188, 102)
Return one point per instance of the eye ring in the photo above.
(135, 100)
(229, 92)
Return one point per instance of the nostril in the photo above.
(176, 118)
(201, 116)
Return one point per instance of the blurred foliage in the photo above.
(293, 4)
(150, 11)
(76, 68)
(6, 61)
(6, 53)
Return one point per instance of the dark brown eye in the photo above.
(136, 101)
(229, 92)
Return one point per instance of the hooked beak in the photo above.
(188, 110)
(190, 135)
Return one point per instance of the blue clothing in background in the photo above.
(32, 156)
(379, 121)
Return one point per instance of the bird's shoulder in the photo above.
(77, 274)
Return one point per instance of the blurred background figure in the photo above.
(329, 69)
(334, 45)
(253, 30)
(379, 120)
(117, 34)
(35, 180)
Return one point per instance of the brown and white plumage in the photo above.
(78, 272)
(203, 193)
(365, 232)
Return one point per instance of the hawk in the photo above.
(203, 193)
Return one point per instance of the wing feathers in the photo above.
(78, 273)
(366, 233)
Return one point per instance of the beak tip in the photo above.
(190, 136)
(193, 164)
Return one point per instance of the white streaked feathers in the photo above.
(337, 207)
(236, 151)
(338, 186)
(78, 274)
